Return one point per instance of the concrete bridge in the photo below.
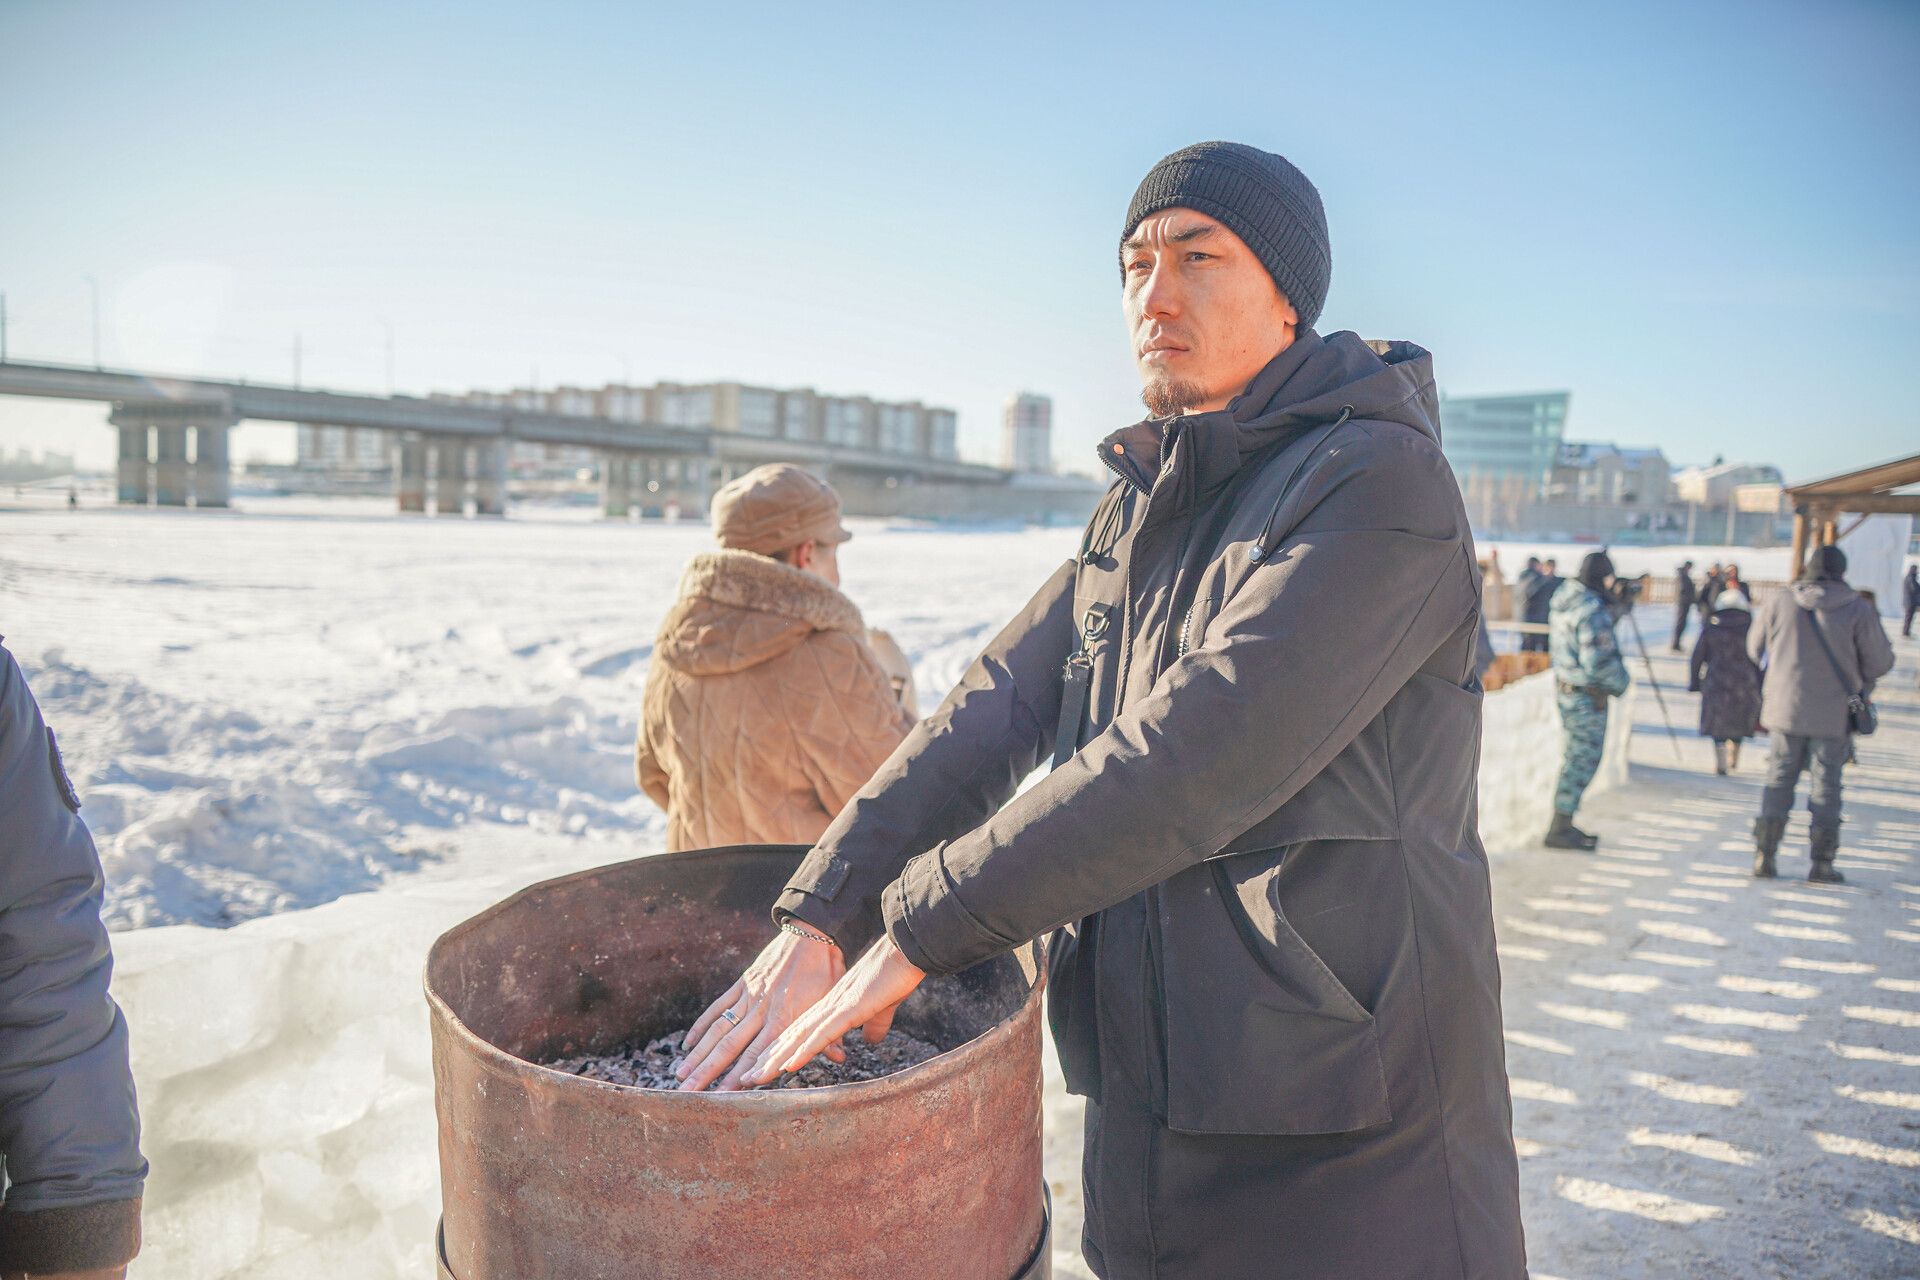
(447, 452)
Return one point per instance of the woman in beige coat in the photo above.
(767, 705)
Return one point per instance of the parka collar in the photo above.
(1191, 456)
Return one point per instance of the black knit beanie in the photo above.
(1596, 569)
(1262, 199)
(1828, 562)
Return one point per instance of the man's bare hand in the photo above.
(784, 981)
(866, 996)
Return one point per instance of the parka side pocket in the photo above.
(1262, 1037)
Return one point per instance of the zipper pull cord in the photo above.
(1260, 549)
(1087, 554)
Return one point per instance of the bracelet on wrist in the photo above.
(788, 926)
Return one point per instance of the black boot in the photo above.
(1564, 835)
(1766, 843)
(1826, 846)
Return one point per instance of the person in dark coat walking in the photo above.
(1727, 680)
(1272, 959)
(69, 1128)
(1912, 591)
(1805, 686)
(1537, 603)
(1684, 597)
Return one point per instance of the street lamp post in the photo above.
(93, 287)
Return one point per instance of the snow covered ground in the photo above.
(268, 709)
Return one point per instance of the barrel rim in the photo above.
(946, 1063)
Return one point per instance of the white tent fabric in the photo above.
(1877, 558)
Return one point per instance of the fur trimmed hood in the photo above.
(738, 609)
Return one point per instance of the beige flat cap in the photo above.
(775, 507)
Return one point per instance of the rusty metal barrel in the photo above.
(933, 1172)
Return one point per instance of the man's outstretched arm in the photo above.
(1368, 584)
(955, 768)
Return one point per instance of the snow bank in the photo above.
(286, 1086)
(1520, 760)
(203, 814)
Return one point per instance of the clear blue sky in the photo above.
(1699, 218)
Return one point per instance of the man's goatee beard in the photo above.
(1165, 397)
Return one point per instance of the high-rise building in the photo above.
(1026, 439)
(1513, 439)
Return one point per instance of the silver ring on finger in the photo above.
(731, 1017)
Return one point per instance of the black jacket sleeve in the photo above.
(69, 1129)
(956, 767)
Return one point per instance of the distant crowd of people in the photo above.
(1802, 669)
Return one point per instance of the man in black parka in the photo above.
(1272, 954)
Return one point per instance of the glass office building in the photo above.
(1500, 437)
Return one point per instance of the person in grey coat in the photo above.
(1272, 964)
(69, 1129)
(1804, 701)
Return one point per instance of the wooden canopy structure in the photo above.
(1819, 504)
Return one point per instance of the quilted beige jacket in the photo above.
(765, 709)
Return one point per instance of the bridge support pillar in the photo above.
(212, 469)
(649, 487)
(450, 476)
(134, 479)
(410, 474)
(689, 488)
(176, 477)
(617, 472)
(172, 473)
(490, 478)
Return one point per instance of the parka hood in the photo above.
(1572, 593)
(1309, 384)
(1823, 595)
(738, 609)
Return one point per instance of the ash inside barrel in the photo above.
(651, 1066)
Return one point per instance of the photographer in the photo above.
(1588, 671)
